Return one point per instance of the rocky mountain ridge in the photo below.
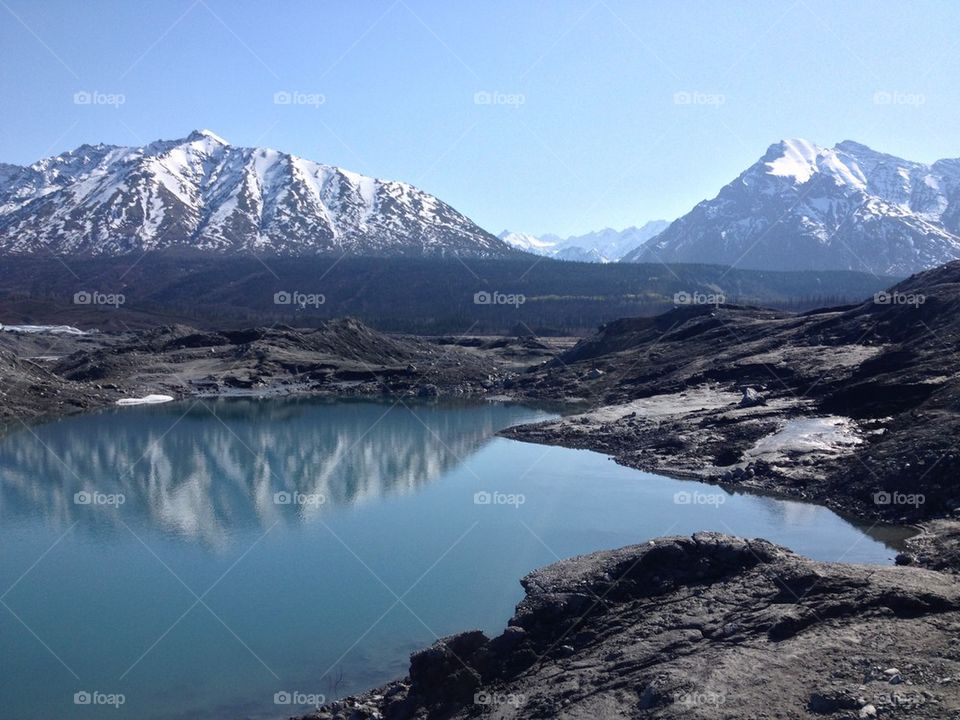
(201, 193)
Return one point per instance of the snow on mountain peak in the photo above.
(798, 161)
(795, 158)
(203, 193)
(204, 133)
(607, 245)
(526, 241)
(854, 148)
(859, 209)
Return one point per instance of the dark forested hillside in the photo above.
(520, 295)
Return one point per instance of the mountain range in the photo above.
(799, 207)
(805, 207)
(202, 193)
(607, 245)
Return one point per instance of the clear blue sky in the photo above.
(598, 140)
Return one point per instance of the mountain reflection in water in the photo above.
(214, 466)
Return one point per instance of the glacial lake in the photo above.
(215, 559)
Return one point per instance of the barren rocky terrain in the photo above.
(50, 374)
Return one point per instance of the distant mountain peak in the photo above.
(606, 245)
(200, 192)
(853, 146)
(205, 134)
(806, 206)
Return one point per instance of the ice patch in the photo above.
(831, 435)
(43, 329)
(696, 399)
(146, 400)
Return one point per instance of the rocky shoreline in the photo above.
(708, 626)
(46, 376)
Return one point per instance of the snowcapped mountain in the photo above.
(544, 245)
(807, 207)
(201, 192)
(607, 245)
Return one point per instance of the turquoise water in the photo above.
(196, 560)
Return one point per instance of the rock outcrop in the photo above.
(709, 626)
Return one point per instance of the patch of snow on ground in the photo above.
(831, 435)
(43, 329)
(703, 397)
(824, 356)
(146, 400)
